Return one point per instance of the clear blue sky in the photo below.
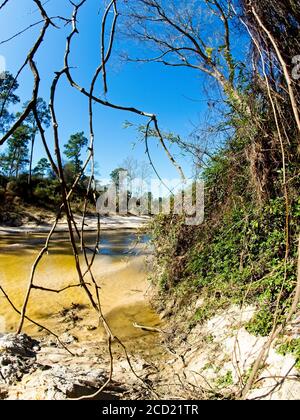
(154, 88)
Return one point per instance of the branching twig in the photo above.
(34, 322)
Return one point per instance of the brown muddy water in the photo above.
(120, 269)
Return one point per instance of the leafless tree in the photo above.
(192, 34)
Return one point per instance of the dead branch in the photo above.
(34, 322)
(46, 289)
(3, 4)
(29, 60)
(145, 328)
(284, 67)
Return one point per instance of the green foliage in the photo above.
(8, 86)
(43, 113)
(47, 193)
(292, 347)
(42, 168)
(115, 176)
(16, 157)
(245, 254)
(262, 322)
(69, 173)
(73, 150)
(209, 52)
(225, 380)
(234, 257)
(203, 313)
(167, 243)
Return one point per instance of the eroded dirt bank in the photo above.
(212, 361)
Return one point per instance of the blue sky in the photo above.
(175, 95)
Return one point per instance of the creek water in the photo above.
(119, 268)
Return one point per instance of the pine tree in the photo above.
(73, 150)
(16, 157)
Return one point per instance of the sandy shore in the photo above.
(107, 223)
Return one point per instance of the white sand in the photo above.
(107, 223)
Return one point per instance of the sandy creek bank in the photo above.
(210, 360)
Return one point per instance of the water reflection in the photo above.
(124, 243)
(112, 243)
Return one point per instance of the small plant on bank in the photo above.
(291, 347)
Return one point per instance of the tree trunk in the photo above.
(31, 157)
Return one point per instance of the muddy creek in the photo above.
(120, 270)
